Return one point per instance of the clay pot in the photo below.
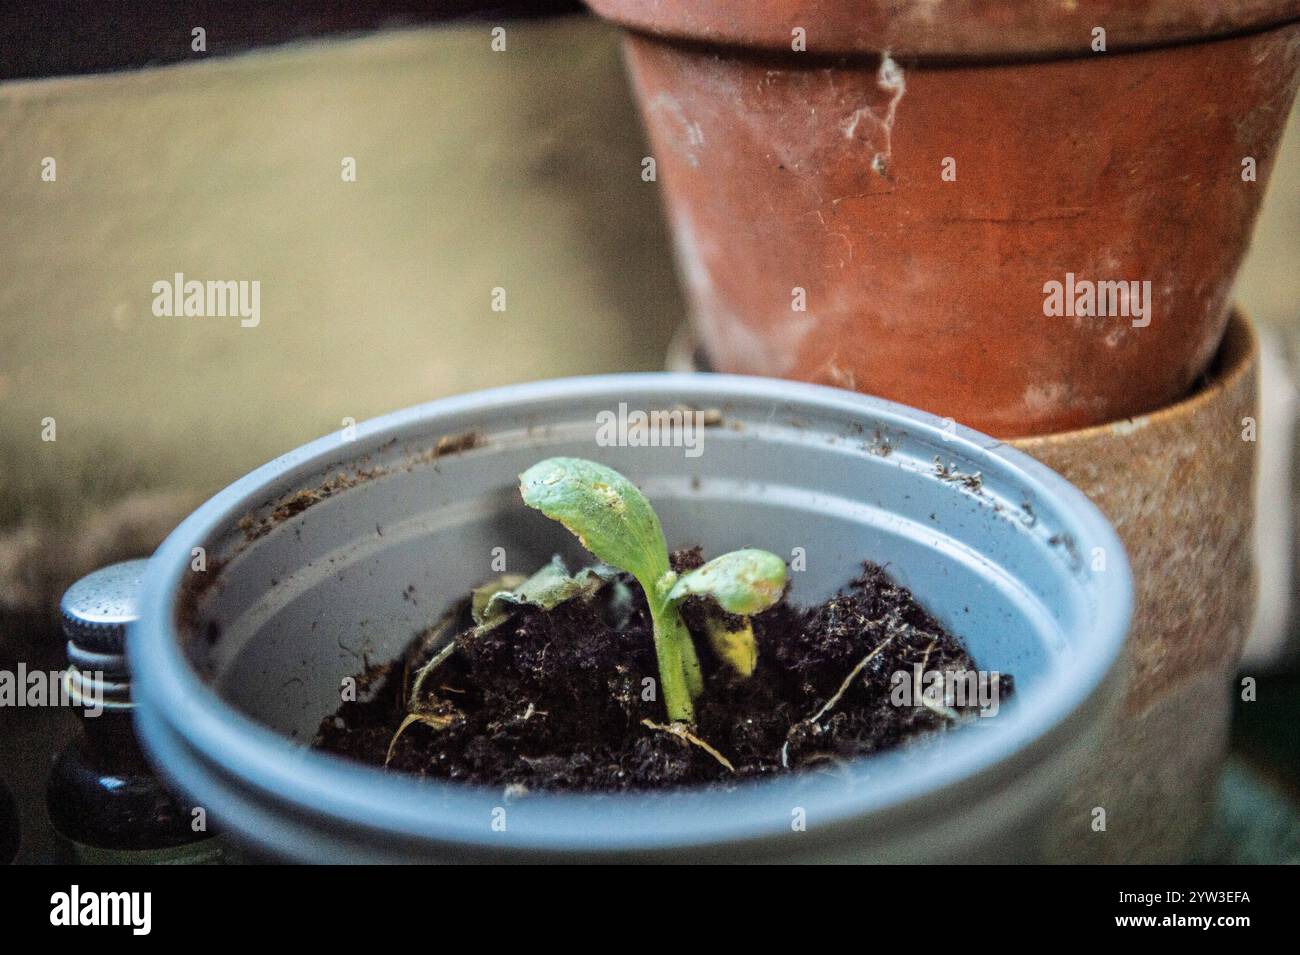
(1176, 484)
(822, 236)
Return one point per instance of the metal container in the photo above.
(337, 553)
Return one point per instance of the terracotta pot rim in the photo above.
(1234, 359)
(961, 32)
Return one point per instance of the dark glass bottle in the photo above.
(103, 796)
(9, 832)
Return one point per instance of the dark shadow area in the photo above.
(43, 39)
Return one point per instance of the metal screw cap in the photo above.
(98, 607)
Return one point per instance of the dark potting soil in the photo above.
(554, 699)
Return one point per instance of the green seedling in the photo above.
(612, 519)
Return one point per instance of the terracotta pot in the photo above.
(819, 238)
(1177, 486)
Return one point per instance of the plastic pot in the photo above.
(340, 551)
(891, 222)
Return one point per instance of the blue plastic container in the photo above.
(342, 550)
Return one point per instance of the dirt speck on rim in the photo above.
(456, 443)
(950, 472)
(1067, 542)
(880, 446)
(563, 700)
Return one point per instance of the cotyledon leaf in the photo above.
(606, 511)
(546, 589)
(742, 582)
(481, 595)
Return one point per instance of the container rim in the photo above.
(180, 713)
(1009, 32)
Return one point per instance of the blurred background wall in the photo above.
(475, 170)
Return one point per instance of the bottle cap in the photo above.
(97, 608)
